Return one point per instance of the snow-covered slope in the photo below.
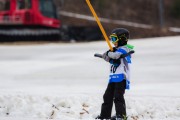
(65, 82)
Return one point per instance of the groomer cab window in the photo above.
(4, 5)
(24, 4)
(48, 8)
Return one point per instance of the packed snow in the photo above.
(64, 81)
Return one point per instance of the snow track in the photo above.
(65, 82)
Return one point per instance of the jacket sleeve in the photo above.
(114, 55)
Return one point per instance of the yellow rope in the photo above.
(99, 24)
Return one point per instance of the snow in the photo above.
(65, 82)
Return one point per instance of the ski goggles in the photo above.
(114, 38)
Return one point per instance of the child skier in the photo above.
(119, 76)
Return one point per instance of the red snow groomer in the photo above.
(28, 20)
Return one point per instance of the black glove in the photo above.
(114, 49)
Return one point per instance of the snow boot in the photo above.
(102, 118)
(118, 117)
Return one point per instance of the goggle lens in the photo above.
(114, 38)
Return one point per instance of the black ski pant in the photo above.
(114, 92)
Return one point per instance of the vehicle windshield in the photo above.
(4, 5)
(23, 4)
(48, 8)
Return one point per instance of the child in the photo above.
(119, 76)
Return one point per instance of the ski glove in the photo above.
(114, 49)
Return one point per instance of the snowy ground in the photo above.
(65, 82)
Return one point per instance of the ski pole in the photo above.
(99, 24)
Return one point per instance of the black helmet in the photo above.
(120, 35)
